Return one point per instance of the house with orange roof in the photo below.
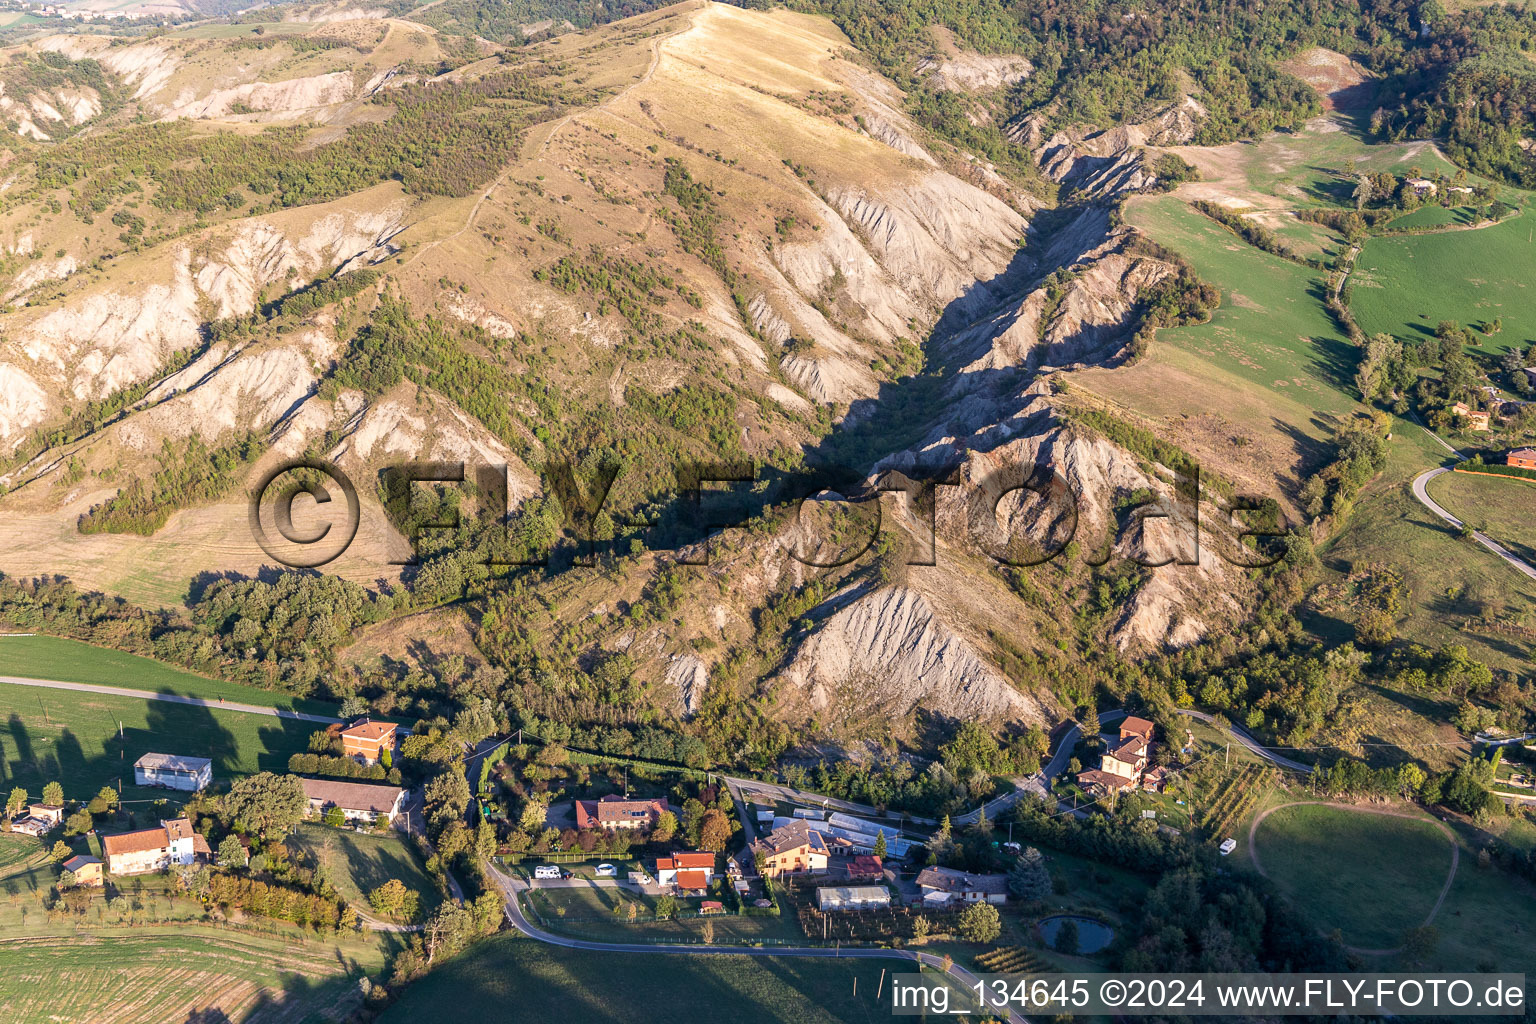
(689, 862)
(367, 740)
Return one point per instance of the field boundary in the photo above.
(1445, 890)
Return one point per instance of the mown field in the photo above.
(70, 661)
(510, 974)
(1256, 391)
(1447, 581)
(589, 914)
(357, 863)
(1404, 286)
(171, 976)
(75, 738)
(1500, 507)
(1372, 876)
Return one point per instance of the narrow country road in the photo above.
(171, 698)
(512, 888)
(1421, 492)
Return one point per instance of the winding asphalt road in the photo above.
(512, 888)
(1421, 492)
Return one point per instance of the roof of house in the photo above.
(1128, 749)
(684, 859)
(1105, 779)
(613, 809)
(368, 729)
(1137, 727)
(142, 841)
(79, 861)
(950, 880)
(692, 880)
(45, 809)
(865, 864)
(172, 762)
(853, 893)
(352, 796)
(177, 828)
(793, 836)
(1525, 453)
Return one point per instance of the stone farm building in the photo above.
(173, 771)
(172, 844)
(358, 801)
(86, 869)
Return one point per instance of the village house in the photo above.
(1421, 186)
(1125, 763)
(173, 771)
(941, 886)
(794, 849)
(40, 820)
(689, 869)
(172, 844)
(358, 801)
(853, 897)
(1477, 418)
(86, 869)
(614, 811)
(1521, 458)
(367, 740)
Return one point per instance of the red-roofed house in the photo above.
(691, 881)
(865, 865)
(668, 868)
(1522, 458)
(1133, 726)
(368, 740)
(614, 811)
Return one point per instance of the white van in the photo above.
(546, 871)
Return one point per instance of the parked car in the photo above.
(606, 871)
(546, 871)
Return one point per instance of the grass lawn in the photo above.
(19, 852)
(588, 913)
(357, 863)
(546, 984)
(107, 976)
(1370, 875)
(70, 661)
(1448, 580)
(1271, 371)
(1405, 286)
(1500, 507)
(74, 738)
(1437, 217)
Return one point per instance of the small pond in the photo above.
(1092, 935)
